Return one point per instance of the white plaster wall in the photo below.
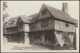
(59, 25)
(26, 39)
(26, 27)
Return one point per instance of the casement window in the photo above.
(44, 12)
(66, 25)
(44, 23)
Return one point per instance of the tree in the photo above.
(5, 14)
(4, 5)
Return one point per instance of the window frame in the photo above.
(44, 23)
(66, 24)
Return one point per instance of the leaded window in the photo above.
(44, 23)
(67, 25)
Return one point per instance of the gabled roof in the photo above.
(33, 17)
(24, 19)
(29, 19)
(11, 22)
(61, 15)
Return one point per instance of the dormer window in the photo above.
(43, 12)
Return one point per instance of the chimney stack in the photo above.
(65, 7)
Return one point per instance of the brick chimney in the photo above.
(65, 7)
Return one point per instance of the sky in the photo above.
(16, 8)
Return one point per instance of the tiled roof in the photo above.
(33, 17)
(61, 15)
(29, 19)
(24, 19)
(11, 22)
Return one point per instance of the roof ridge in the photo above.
(55, 8)
(32, 14)
(50, 6)
(59, 14)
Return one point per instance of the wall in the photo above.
(45, 15)
(26, 39)
(39, 28)
(59, 25)
(26, 28)
(20, 27)
(51, 24)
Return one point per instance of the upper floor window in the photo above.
(43, 12)
(44, 23)
(67, 25)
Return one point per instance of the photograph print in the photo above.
(40, 26)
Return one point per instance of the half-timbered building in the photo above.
(54, 27)
(12, 30)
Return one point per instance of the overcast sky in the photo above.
(16, 8)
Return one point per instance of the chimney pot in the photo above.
(65, 7)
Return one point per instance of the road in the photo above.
(17, 46)
(31, 47)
